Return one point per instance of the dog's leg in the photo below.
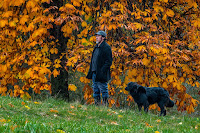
(146, 107)
(139, 107)
(162, 108)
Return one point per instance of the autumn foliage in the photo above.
(154, 43)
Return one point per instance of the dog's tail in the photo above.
(170, 103)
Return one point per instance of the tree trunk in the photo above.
(59, 84)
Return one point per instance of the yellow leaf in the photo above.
(60, 131)
(158, 8)
(55, 73)
(27, 107)
(3, 68)
(2, 120)
(107, 14)
(165, 1)
(83, 24)
(32, 44)
(37, 103)
(164, 85)
(146, 61)
(157, 132)
(12, 24)
(194, 4)
(170, 13)
(24, 19)
(76, 3)
(3, 23)
(196, 23)
(18, 2)
(120, 116)
(57, 61)
(30, 4)
(30, 27)
(72, 87)
(7, 14)
(138, 26)
(84, 80)
(54, 51)
(57, 65)
(45, 48)
(69, 30)
(70, 6)
(54, 111)
(142, 47)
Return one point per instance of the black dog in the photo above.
(145, 96)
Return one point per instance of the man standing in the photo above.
(99, 70)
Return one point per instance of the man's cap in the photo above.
(102, 33)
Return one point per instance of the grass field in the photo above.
(58, 116)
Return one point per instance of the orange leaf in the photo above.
(83, 24)
(147, 124)
(72, 107)
(55, 73)
(146, 61)
(72, 87)
(11, 105)
(114, 123)
(70, 6)
(54, 111)
(170, 13)
(3, 23)
(24, 19)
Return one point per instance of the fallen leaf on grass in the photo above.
(196, 127)
(120, 116)
(180, 123)
(27, 107)
(114, 123)
(26, 121)
(60, 131)
(147, 124)
(37, 103)
(54, 111)
(3, 120)
(71, 113)
(80, 106)
(157, 132)
(13, 127)
(23, 103)
(11, 105)
(72, 107)
(158, 120)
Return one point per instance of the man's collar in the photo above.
(100, 44)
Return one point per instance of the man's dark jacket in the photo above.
(104, 61)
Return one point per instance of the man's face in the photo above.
(99, 39)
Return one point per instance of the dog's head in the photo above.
(134, 87)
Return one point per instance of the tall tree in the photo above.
(154, 43)
(59, 84)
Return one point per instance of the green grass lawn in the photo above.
(58, 116)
